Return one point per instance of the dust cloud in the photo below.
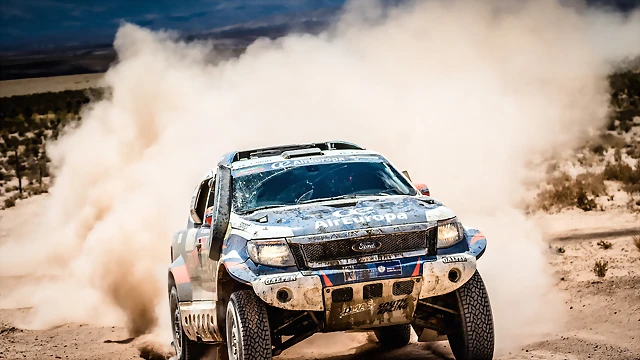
(462, 94)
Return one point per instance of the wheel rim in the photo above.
(177, 332)
(233, 335)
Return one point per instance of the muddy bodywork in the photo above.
(367, 290)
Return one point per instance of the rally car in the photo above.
(285, 242)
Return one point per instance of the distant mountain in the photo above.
(60, 37)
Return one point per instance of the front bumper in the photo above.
(313, 291)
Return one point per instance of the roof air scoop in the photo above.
(301, 153)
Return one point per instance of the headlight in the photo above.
(270, 252)
(450, 232)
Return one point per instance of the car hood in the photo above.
(341, 215)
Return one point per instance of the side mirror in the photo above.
(424, 190)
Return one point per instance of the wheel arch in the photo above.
(178, 276)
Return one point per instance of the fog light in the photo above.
(283, 295)
(454, 275)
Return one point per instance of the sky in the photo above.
(49, 24)
(53, 23)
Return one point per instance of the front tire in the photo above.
(394, 336)
(247, 327)
(185, 348)
(474, 337)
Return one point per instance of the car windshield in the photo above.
(315, 182)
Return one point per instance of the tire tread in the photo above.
(477, 331)
(254, 325)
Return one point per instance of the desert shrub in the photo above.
(617, 172)
(36, 189)
(605, 245)
(11, 200)
(625, 125)
(636, 241)
(584, 202)
(598, 149)
(560, 250)
(566, 191)
(628, 176)
(634, 151)
(600, 268)
(617, 155)
(613, 141)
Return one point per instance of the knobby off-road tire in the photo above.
(185, 348)
(474, 338)
(394, 336)
(248, 333)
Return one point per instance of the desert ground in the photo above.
(603, 313)
(46, 84)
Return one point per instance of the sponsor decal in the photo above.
(392, 306)
(366, 246)
(454, 259)
(249, 170)
(241, 225)
(358, 274)
(358, 308)
(280, 279)
(284, 164)
(358, 216)
(389, 268)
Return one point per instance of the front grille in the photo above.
(402, 288)
(331, 250)
(372, 291)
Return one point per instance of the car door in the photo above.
(203, 268)
(196, 255)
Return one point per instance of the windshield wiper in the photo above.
(260, 208)
(350, 196)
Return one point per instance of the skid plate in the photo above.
(369, 306)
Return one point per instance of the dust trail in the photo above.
(462, 94)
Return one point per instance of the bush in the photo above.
(560, 250)
(617, 172)
(36, 189)
(605, 245)
(600, 268)
(636, 241)
(583, 202)
(634, 151)
(9, 202)
(624, 173)
(598, 149)
(568, 192)
(613, 141)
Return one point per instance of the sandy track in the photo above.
(603, 321)
(54, 84)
